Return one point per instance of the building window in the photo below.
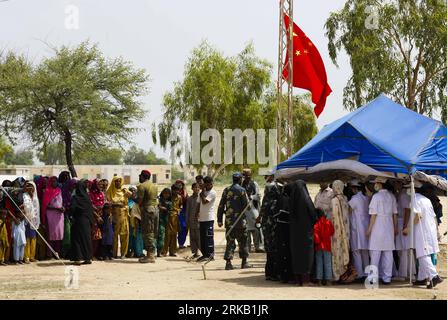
(167, 176)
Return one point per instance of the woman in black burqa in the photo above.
(302, 219)
(81, 233)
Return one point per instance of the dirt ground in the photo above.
(173, 278)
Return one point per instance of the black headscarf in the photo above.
(81, 204)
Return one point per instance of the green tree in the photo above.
(138, 156)
(19, 157)
(219, 91)
(404, 55)
(103, 155)
(77, 96)
(5, 149)
(304, 121)
(52, 154)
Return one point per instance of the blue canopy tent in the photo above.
(380, 138)
(382, 135)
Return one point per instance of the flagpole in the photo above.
(290, 82)
(285, 48)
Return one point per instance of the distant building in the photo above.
(161, 174)
(191, 172)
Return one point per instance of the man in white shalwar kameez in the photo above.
(403, 242)
(382, 230)
(359, 222)
(425, 240)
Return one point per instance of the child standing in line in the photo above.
(19, 237)
(164, 206)
(173, 222)
(323, 232)
(4, 244)
(192, 219)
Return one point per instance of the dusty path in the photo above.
(175, 278)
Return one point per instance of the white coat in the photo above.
(359, 221)
(403, 202)
(384, 205)
(425, 232)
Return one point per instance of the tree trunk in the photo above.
(68, 153)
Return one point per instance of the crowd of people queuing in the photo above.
(81, 220)
(334, 239)
(351, 233)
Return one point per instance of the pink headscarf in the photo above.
(96, 196)
(48, 196)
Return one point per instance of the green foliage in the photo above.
(138, 156)
(405, 57)
(221, 92)
(77, 97)
(101, 156)
(5, 149)
(20, 157)
(52, 154)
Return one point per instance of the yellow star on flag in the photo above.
(295, 35)
(298, 53)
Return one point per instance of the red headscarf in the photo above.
(48, 196)
(96, 196)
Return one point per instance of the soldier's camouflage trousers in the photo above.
(241, 235)
(149, 228)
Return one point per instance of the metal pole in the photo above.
(290, 82)
(280, 77)
(285, 49)
(413, 198)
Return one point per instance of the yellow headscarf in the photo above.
(113, 191)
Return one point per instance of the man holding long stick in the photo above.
(234, 200)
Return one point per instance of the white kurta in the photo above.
(403, 202)
(359, 221)
(384, 205)
(425, 232)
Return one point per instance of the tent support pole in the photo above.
(413, 199)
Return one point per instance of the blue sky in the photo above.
(158, 35)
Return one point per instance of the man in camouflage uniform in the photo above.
(147, 200)
(270, 206)
(234, 201)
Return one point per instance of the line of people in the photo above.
(80, 220)
(350, 233)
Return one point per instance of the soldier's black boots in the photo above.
(244, 264)
(229, 266)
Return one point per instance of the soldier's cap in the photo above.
(237, 175)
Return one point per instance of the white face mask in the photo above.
(377, 186)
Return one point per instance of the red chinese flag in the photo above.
(308, 68)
